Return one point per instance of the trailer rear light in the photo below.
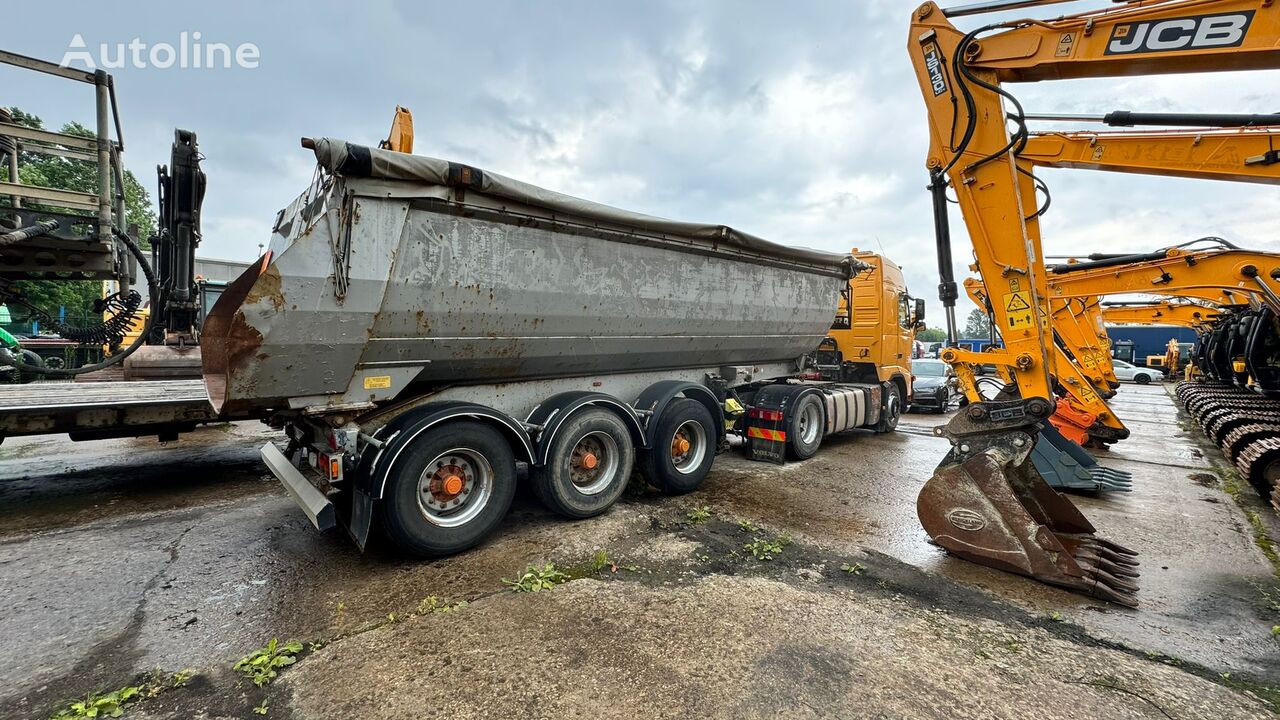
(335, 467)
(765, 414)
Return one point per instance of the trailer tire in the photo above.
(891, 410)
(679, 473)
(805, 427)
(588, 465)
(418, 513)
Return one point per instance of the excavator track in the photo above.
(1234, 443)
(1211, 417)
(1222, 425)
(1259, 463)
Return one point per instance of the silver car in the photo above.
(1140, 375)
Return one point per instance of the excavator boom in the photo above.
(986, 502)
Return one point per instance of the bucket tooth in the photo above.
(990, 506)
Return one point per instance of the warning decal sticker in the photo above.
(1018, 311)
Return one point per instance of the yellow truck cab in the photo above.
(873, 336)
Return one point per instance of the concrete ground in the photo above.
(125, 561)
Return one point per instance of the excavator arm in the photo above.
(1229, 273)
(1248, 154)
(1164, 312)
(985, 502)
(1086, 415)
(1080, 324)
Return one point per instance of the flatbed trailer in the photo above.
(98, 410)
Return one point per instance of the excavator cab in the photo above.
(1262, 353)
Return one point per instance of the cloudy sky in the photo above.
(800, 122)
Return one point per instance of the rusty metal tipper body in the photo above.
(375, 284)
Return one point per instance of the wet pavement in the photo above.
(120, 558)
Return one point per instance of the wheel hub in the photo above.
(680, 445)
(455, 487)
(448, 483)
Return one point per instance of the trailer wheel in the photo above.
(805, 428)
(588, 465)
(683, 448)
(449, 489)
(892, 410)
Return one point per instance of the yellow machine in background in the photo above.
(400, 139)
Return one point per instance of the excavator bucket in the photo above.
(990, 506)
(1064, 464)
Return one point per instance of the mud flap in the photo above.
(1064, 464)
(987, 504)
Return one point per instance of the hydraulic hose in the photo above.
(153, 288)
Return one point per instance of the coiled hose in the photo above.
(102, 333)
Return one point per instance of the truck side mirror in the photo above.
(920, 311)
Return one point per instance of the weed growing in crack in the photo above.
(96, 705)
(537, 579)
(854, 569)
(263, 665)
(762, 549)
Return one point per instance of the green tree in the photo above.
(978, 325)
(931, 335)
(77, 296)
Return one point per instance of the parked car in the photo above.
(1140, 375)
(933, 385)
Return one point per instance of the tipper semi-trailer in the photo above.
(427, 332)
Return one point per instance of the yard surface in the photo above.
(125, 561)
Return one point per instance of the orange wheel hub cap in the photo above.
(680, 445)
(452, 485)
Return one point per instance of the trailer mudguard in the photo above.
(375, 463)
(552, 412)
(657, 396)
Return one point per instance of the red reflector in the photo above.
(763, 414)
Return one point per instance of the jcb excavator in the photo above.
(985, 501)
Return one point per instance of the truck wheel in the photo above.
(588, 466)
(891, 412)
(683, 448)
(449, 489)
(804, 429)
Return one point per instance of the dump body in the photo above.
(397, 271)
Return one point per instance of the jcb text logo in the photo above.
(1197, 32)
(933, 63)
